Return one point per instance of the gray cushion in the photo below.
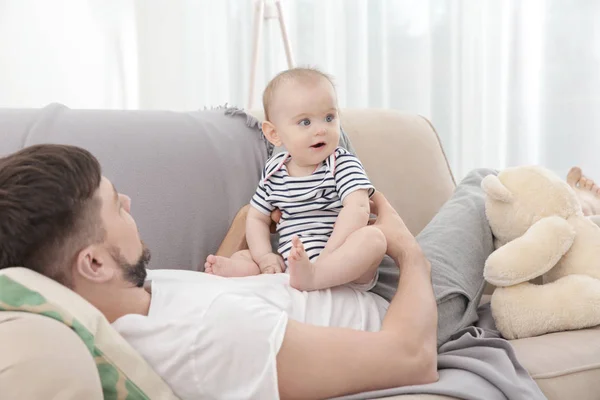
(187, 173)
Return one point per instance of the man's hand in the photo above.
(271, 263)
(275, 217)
(399, 239)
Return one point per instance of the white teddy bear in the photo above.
(540, 231)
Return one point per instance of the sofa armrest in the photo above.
(44, 359)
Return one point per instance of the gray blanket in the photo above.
(474, 362)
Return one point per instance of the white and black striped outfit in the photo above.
(309, 204)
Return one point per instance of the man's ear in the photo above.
(93, 264)
(271, 133)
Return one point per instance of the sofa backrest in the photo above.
(189, 173)
(404, 156)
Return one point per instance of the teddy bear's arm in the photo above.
(530, 255)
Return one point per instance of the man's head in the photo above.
(301, 113)
(59, 216)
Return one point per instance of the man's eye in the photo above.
(304, 122)
(330, 118)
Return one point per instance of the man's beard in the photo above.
(133, 273)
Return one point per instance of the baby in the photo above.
(321, 190)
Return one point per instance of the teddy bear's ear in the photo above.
(492, 186)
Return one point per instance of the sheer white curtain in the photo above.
(77, 52)
(505, 82)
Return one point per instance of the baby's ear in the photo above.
(271, 133)
(492, 186)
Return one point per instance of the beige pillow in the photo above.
(123, 372)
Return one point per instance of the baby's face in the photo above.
(306, 119)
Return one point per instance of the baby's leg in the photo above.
(240, 264)
(356, 260)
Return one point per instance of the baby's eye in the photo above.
(329, 117)
(304, 122)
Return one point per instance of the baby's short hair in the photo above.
(300, 73)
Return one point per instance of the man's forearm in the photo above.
(414, 303)
(316, 362)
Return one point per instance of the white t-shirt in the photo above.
(217, 338)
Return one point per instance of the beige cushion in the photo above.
(404, 159)
(565, 365)
(125, 372)
(55, 364)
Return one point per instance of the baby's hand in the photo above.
(271, 263)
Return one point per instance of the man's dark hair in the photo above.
(48, 211)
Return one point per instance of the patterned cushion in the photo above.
(123, 373)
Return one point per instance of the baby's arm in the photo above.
(259, 243)
(354, 215)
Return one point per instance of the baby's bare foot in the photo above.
(227, 267)
(587, 191)
(300, 268)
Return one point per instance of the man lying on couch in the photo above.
(60, 217)
(232, 338)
